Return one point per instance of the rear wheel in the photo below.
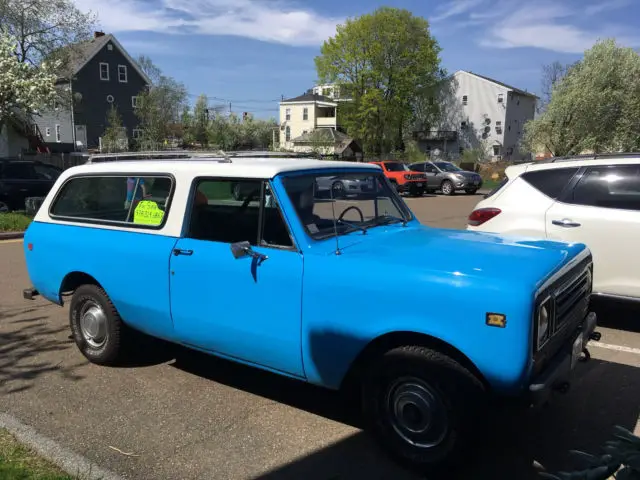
(447, 187)
(96, 325)
(421, 406)
(4, 207)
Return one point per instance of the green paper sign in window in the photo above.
(148, 213)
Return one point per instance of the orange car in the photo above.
(405, 180)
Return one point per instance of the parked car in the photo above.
(589, 199)
(448, 177)
(21, 179)
(340, 187)
(299, 286)
(403, 178)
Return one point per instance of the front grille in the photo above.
(417, 176)
(569, 304)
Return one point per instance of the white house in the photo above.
(479, 111)
(332, 91)
(304, 114)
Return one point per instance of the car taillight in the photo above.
(481, 215)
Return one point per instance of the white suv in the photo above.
(591, 199)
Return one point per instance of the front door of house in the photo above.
(81, 136)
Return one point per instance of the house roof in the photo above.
(502, 84)
(82, 53)
(309, 97)
(328, 136)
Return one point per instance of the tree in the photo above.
(24, 88)
(552, 74)
(43, 27)
(199, 129)
(389, 63)
(114, 138)
(160, 107)
(594, 107)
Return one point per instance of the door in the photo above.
(432, 176)
(603, 211)
(249, 307)
(20, 181)
(81, 135)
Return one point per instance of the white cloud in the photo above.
(273, 21)
(454, 8)
(548, 24)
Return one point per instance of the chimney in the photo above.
(98, 34)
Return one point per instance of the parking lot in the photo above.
(176, 414)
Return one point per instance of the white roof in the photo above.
(516, 170)
(234, 167)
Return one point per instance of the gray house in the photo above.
(101, 75)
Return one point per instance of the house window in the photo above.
(110, 98)
(496, 149)
(137, 133)
(463, 125)
(104, 71)
(56, 105)
(109, 47)
(122, 73)
(134, 101)
(500, 98)
(58, 138)
(287, 114)
(287, 134)
(464, 99)
(47, 131)
(498, 123)
(305, 113)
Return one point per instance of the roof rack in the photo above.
(159, 155)
(590, 156)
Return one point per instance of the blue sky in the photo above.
(250, 52)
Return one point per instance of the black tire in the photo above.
(457, 395)
(431, 191)
(109, 350)
(471, 191)
(447, 187)
(5, 206)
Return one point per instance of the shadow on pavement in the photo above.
(20, 341)
(604, 394)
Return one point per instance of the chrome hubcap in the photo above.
(446, 188)
(417, 413)
(93, 324)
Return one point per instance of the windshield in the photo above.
(396, 166)
(329, 203)
(448, 167)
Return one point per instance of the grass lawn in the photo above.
(490, 184)
(19, 463)
(14, 222)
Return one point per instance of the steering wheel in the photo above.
(350, 208)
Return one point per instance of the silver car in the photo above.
(448, 177)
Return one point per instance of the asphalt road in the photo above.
(190, 416)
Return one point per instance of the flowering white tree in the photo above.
(24, 88)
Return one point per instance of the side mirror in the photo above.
(240, 249)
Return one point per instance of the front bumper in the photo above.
(556, 376)
(467, 184)
(412, 186)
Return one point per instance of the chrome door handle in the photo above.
(179, 251)
(565, 222)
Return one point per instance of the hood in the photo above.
(466, 174)
(462, 253)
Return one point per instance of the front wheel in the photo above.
(447, 187)
(421, 406)
(96, 325)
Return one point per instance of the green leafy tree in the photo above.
(160, 107)
(595, 106)
(24, 88)
(389, 64)
(114, 138)
(199, 129)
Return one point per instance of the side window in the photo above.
(121, 199)
(550, 182)
(418, 167)
(228, 211)
(18, 171)
(609, 187)
(430, 168)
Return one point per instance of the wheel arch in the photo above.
(73, 280)
(379, 345)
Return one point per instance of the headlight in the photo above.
(589, 281)
(544, 315)
(459, 177)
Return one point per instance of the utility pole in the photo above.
(229, 108)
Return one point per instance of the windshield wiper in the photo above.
(387, 219)
(356, 227)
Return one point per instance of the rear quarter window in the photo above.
(142, 200)
(550, 182)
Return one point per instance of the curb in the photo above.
(70, 462)
(11, 235)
